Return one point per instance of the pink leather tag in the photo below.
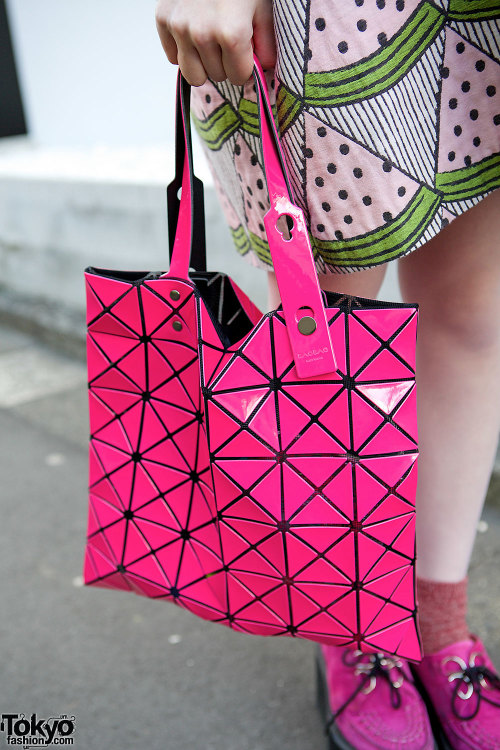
(298, 286)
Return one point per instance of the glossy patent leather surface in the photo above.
(259, 477)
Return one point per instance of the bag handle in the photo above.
(292, 258)
(191, 228)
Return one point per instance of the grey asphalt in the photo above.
(135, 673)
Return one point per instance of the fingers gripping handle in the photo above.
(292, 258)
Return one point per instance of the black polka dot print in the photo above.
(372, 181)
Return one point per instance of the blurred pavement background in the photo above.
(86, 186)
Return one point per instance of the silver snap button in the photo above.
(306, 325)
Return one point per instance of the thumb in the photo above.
(264, 41)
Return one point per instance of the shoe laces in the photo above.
(370, 668)
(471, 682)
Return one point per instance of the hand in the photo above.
(216, 38)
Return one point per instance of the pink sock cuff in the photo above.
(442, 613)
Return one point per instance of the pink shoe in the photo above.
(463, 689)
(370, 701)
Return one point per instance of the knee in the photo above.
(470, 319)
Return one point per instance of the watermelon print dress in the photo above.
(389, 114)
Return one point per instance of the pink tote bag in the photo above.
(258, 470)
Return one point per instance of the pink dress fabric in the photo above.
(389, 113)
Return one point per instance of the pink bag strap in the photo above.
(182, 231)
(292, 258)
(198, 256)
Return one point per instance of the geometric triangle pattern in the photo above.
(389, 117)
(315, 479)
(152, 521)
(223, 483)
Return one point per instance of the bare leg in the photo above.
(455, 278)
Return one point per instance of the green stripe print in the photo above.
(245, 241)
(381, 70)
(473, 10)
(379, 246)
(218, 126)
(225, 120)
(288, 107)
(250, 117)
(470, 182)
(387, 242)
(240, 240)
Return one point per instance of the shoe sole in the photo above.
(335, 738)
(437, 729)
